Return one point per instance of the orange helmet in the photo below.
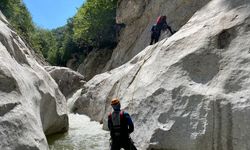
(115, 101)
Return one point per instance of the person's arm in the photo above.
(166, 26)
(169, 28)
(109, 122)
(130, 122)
(152, 29)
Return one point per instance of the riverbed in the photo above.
(83, 134)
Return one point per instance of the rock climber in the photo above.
(120, 125)
(161, 24)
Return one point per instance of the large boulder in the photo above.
(31, 104)
(187, 92)
(68, 80)
(138, 16)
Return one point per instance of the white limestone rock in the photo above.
(68, 80)
(139, 16)
(31, 104)
(187, 92)
(136, 17)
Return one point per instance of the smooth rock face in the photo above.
(139, 16)
(136, 18)
(94, 63)
(187, 92)
(31, 104)
(68, 80)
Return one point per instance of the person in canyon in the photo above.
(120, 125)
(161, 24)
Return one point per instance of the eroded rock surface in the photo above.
(68, 80)
(31, 104)
(188, 92)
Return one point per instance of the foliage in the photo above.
(94, 22)
(92, 26)
(45, 42)
(65, 44)
(19, 17)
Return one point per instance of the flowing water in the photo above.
(83, 134)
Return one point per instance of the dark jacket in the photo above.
(156, 30)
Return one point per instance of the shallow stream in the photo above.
(83, 134)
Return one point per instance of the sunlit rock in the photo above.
(189, 91)
(68, 80)
(31, 104)
(137, 18)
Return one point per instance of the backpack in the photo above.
(160, 20)
(117, 123)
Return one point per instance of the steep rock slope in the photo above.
(31, 104)
(139, 16)
(187, 92)
(135, 19)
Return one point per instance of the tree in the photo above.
(19, 17)
(94, 22)
(92, 26)
(45, 42)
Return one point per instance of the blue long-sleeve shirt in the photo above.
(130, 122)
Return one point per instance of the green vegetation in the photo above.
(19, 17)
(66, 46)
(94, 22)
(45, 42)
(92, 27)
